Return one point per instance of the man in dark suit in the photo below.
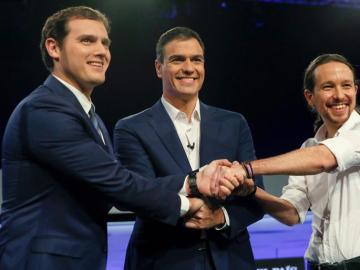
(60, 176)
(177, 135)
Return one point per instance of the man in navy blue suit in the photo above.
(60, 176)
(177, 135)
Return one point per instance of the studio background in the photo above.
(256, 53)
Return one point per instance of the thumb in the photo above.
(235, 162)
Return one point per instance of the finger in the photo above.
(223, 162)
(224, 183)
(230, 181)
(240, 178)
(235, 162)
(224, 192)
(250, 185)
(191, 224)
(214, 183)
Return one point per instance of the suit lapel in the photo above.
(61, 90)
(165, 129)
(209, 132)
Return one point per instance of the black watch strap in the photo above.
(194, 191)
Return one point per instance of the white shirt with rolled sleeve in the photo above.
(333, 197)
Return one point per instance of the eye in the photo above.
(176, 60)
(86, 41)
(106, 43)
(198, 60)
(327, 87)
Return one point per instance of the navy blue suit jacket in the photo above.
(148, 144)
(60, 180)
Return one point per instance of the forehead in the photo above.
(183, 47)
(333, 71)
(79, 26)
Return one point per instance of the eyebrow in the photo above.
(106, 40)
(332, 82)
(171, 57)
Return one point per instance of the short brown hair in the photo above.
(56, 27)
(179, 33)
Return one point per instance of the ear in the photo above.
(52, 48)
(309, 97)
(158, 68)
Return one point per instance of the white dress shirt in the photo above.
(189, 135)
(333, 197)
(187, 130)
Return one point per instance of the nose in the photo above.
(102, 49)
(188, 66)
(339, 92)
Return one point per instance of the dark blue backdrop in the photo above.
(256, 52)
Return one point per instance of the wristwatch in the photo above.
(194, 191)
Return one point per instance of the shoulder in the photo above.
(38, 98)
(223, 115)
(135, 119)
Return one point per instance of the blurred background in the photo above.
(256, 53)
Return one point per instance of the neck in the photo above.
(330, 131)
(86, 91)
(186, 106)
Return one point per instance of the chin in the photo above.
(97, 81)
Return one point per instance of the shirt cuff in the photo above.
(185, 205)
(227, 220)
(183, 190)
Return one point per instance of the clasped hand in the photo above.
(221, 178)
(218, 179)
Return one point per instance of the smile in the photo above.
(339, 106)
(96, 63)
(187, 79)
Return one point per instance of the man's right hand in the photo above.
(217, 179)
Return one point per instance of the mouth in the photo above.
(338, 108)
(187, 79)
(96, 64)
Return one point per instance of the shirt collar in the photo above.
(174, 113)
(354, 119)
(83, 100)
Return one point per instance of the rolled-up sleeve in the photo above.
(296, 193)
(345, 148)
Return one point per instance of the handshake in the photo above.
(219, 179)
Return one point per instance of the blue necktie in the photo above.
(94, 121)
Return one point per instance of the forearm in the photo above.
(304, 161)
(242, 213)
(278, 208)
